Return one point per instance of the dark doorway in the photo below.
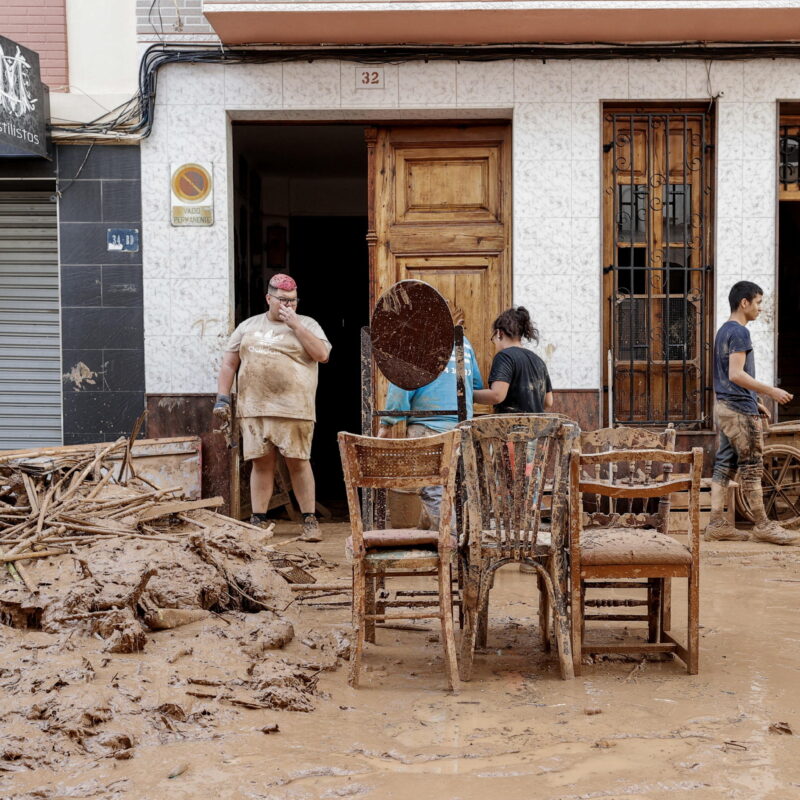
(788, 300)
(301, 207)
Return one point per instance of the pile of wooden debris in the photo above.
(53, 501)
(92, 547)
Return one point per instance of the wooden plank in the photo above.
(624, 490)
(637, 647)
(634, 571)
(175, 416)
(321, 587)
(178, 507)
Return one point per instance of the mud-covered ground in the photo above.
(173, 721)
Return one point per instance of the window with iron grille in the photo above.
(789, 150)
(657, 276)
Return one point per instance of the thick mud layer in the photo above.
(188, 716)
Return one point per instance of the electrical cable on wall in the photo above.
(133, 120)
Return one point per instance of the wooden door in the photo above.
(657, 249)
(440, 212)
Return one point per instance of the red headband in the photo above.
(283, 281)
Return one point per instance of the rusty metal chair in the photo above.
(613, 556)
(372, 463)
(508, 461)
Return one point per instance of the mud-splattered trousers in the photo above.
(431, 496)
(741, 447)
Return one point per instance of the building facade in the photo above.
(617, 192)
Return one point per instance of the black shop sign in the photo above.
(24, 102)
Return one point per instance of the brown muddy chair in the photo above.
(508, 463)
(372, 463)
(610, 512)
(612, 556)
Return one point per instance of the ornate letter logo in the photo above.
(15, 89)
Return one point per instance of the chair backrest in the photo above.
(615, 485)
(627, 512)
(372, 463)
(507, 462)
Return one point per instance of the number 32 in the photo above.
(370, 78)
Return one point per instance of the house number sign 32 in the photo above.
(369, 77)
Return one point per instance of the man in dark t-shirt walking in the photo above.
(738, 413)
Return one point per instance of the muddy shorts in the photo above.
(740, 442)
(292, 437)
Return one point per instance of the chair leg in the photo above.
(448, 637)
(583, 609)
(460, 588)
(693, 622)
(483, 616)
(666, 604)
(576, 613)
(544, 615)
(369, 625)
(653, 609)
(359, 610)
(558, 603)
(474, 588)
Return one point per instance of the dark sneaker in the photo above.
(720, 531)
(773, 533)
(310, 531)
(261, 523)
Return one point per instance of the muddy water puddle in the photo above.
(624, 729)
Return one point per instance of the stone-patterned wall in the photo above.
(555, 108)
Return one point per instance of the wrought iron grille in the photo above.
(658, 244)
(789, 170)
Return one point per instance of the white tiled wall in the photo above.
(555, 107)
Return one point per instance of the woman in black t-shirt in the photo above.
(518, 381)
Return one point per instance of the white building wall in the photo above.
(102, 58)
(557, 147)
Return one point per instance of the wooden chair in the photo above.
(372, 463)
(610, 512)
(623, 553)
(507, 461)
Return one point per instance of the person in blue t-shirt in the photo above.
(738, 412)
(439, 395)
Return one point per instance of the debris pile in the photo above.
(102, 576)
(51, 500)
(141, 557)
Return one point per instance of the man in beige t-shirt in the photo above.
(276, 355)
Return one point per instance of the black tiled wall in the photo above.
(101, 292)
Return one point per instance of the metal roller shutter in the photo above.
(30, 321)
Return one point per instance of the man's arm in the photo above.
(317, 348)
(737, 375)
(548, 401)
(397, 399)
(227, 372)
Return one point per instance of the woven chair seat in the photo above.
(605, 546)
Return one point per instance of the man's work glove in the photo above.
(222, 415)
